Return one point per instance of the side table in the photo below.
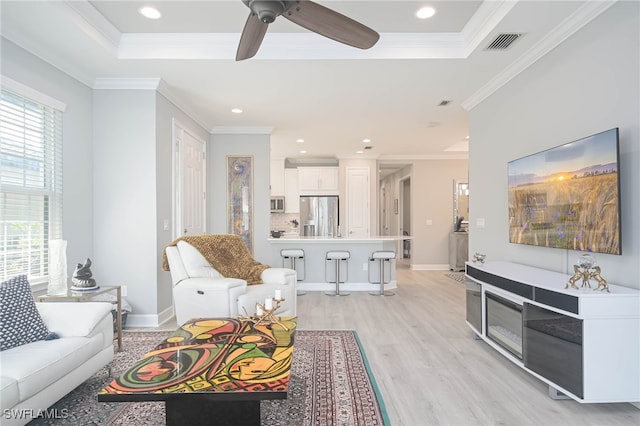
(87, 296)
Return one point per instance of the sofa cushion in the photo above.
(33, 372)
(20, 322)
(74, 319)
(9, 395)
(194, 262)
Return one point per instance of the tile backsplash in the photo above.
(282, 222)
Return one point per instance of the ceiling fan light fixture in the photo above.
(425, 12)
(267, 10)
(307, 14)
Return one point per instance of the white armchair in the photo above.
(200, 291)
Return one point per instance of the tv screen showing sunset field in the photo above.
(568, 196)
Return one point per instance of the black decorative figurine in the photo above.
(82, 277)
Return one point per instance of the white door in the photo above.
(191, 178)
(358, 191)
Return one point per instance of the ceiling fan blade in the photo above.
(251, 38)
(331, 24)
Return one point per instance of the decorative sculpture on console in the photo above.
(572, 281)
(82, 277)
(586, 269)
(602, 283)
(479, 258)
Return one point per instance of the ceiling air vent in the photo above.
(503, 41)
(368, 147)
(444, 103)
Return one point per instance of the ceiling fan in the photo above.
(307, 14)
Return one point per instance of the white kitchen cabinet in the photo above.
(277, 177)
(291, 192)
(318, 180)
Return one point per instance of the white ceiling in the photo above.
(301, 85)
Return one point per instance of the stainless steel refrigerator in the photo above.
(319, 216)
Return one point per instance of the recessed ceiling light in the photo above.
(303, 152)
(300, 140)
(366, 140)
(425, 12)
(359, 152)
(236, 111)
(150, 12)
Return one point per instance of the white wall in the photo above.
(125, 210)
(31, 71)
(258, 146)
(432, 200)
(588, 84)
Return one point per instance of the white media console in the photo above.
(583, 343)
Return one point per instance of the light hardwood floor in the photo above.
(429, 368)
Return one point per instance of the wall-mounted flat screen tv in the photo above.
(568, 196)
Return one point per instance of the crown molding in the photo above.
(46, 55)
(92, 23)
(281, 46)
(183, 105)
(156, 84)
(126, 83)
(248, 130)
(569, 26)
(411, 158)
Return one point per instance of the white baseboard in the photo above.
(306, 286)
(432, 267)
(149, 320)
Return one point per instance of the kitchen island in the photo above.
(360, 248)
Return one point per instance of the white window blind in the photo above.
(30, 184)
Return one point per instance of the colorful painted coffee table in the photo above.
(212, 371)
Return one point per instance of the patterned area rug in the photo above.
(331, 384)
(456, 276)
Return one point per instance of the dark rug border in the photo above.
(376, 389)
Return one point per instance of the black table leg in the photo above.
(183, 411)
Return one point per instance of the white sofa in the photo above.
(201, 292)
(36, 375)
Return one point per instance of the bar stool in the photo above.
(382, 257)
(337, 256)
(291, 255)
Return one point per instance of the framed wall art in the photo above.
(240, 197)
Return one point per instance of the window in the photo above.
(30, 180)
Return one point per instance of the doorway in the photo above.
(189, 180)
(394, 209)
(404, 191)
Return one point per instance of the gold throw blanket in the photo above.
(227, 253)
